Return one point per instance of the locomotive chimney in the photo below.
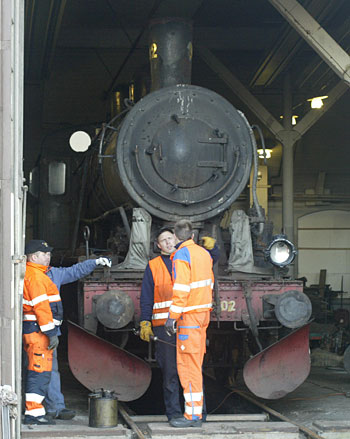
(170, 52)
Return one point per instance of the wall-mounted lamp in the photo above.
(294, 119)
(317, 102)
(267, 152)
(80, 141)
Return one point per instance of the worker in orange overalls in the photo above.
(42, 279)
(191, 305)
(39, 333)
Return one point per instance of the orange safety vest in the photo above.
(163, 291)
(193, 280)
(36, 291)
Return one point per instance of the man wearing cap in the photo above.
(156, 293)
(42, 317)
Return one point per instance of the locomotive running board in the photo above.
(280, 368)
(97, 364)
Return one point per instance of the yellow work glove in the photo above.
(145, 330)
(208, 242)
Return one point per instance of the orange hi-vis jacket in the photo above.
(163, 291)
(37, 289)
(193, 280)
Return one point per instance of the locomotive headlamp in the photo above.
(280, 251)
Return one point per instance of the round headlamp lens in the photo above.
(280, 252)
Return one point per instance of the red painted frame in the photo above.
(233, 303)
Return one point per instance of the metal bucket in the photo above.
(103, 409)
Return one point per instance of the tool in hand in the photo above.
(155, 338)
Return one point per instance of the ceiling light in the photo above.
(267, 153)
(294, 119)
(317, 102)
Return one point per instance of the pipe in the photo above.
(170, 52)
(287, 166)
(253, 324)
(16, 108)
(255, 179)
(125, 221)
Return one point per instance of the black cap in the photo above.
(37, 245)
(164, 229)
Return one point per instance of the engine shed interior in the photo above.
(78, 55)
(277, 73)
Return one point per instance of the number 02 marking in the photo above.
(228, 305)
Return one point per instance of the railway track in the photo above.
(242, 426)
(267, 424)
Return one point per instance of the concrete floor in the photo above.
(321, 403)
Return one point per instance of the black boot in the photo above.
(40, 420)
(65, 414)
(184, 422)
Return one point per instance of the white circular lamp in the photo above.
(80, 141)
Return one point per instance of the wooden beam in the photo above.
(328, 49)
(239, 89)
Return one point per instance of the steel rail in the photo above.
(130, 422)
(272, 412)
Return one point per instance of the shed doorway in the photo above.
(324, 244)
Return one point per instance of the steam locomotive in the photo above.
(183, 151)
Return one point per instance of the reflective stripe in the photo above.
(180, 310)
(36, 300)
(201, 283)
(35, 412)
(160, 305)
(161, 315)
(47, 327)
(34, 397)
(55, 298)
(57, 322)
(190, 308)
(29, 317)
(189, 327)
(189, 397)
(195, 410)
(182, 287)
(177, 309)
